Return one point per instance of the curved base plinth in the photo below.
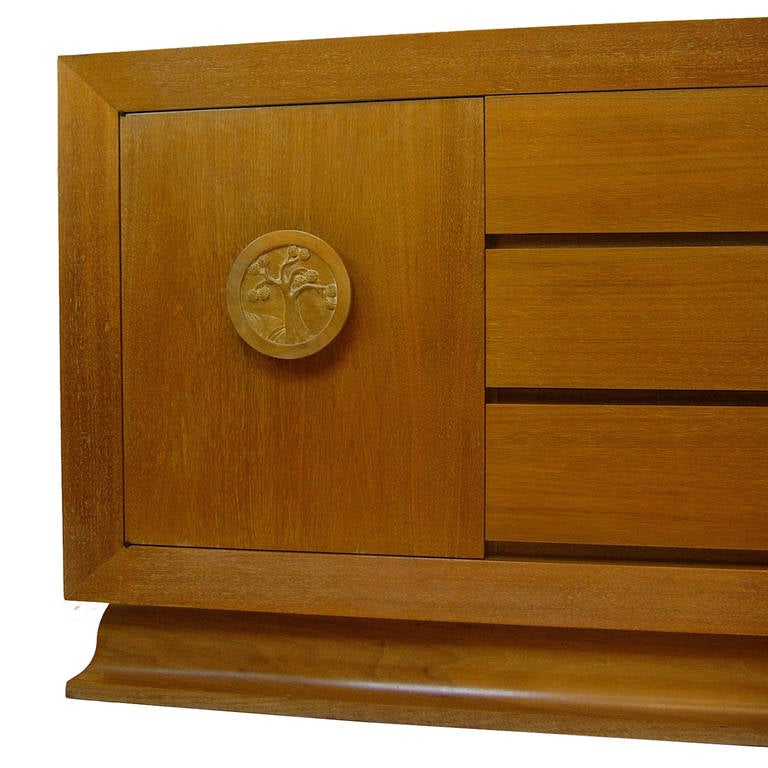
(629, 684)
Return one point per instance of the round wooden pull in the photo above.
(288, 294)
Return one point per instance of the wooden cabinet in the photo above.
(433, 392)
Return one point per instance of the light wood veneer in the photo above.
(644, 476)
(643, 317)
(641, 161)
(690, 687)
(345, 450)
(253, 520)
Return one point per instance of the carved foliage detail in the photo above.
(288, 295)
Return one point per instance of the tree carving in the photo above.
(292, 279)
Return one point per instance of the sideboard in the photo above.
(424, 378)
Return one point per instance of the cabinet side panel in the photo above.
(374, 444)
(89, 277)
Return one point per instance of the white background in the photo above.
(45, 640)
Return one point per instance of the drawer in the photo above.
(634, 318)
(660, 476)
(632, 161)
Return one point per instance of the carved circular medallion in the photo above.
(288, 294)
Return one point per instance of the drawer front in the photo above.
(632, 161)
(633, 318)
(661, 476)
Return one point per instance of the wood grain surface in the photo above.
(532, 591)
(608, 683)
(651, 161)
(228, 449)
(685, 54)
(632, 318)
(375, 444)
(676, 476)
(89, 295)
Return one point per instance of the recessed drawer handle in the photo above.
(288, 294)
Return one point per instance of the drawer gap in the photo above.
(568, 396)
(623, 239)
(601, 553)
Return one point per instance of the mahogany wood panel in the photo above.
(606, 683)
(668, 476)
(535, 592)
(375, 444)
(648, 161)
(89, 292)
(633, 318)
(601, 57)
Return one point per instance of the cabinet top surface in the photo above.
(681, 54)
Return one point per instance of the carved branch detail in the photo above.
(288, 294)
(291, 280)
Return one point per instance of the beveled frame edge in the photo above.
(591, 595)
(89, 291)
(644, 55)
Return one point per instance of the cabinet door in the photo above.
(375, 443)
